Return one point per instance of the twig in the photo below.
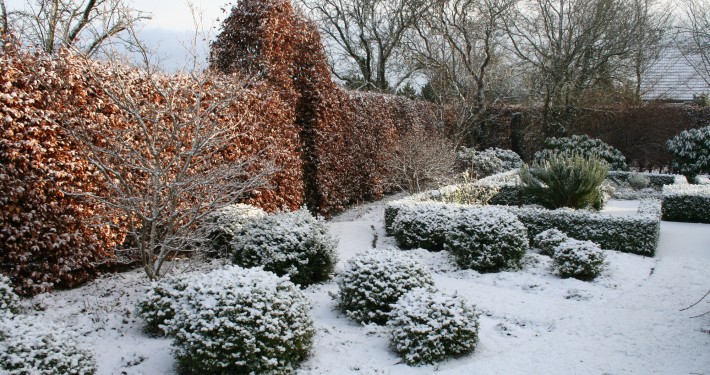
(693, 305)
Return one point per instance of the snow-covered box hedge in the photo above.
(157, 305)
(687, 203)
(241, 321)
(656, 180)
(486, 238)
(422, 224)
(636, 234)
(293, 243)
(583, 260)
(374, 280)
(429, 326)
(548, 240)
(29, 346)
(9, 301)
(223, 225)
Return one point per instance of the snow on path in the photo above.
(532, 322)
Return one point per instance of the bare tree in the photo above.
(85, 25)
(422, 160)
(573, 45)
(695, 31)
(364, 39)
(174, 157)
(651, 33)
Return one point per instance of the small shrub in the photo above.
(429, 326)
(583, 260)
(240, 321)
(690, 150)
(547, 241)
(488, 162)
(638, 181)
(294, 244)
(422, 160)
(9, 301)
(468, 192)
(157, 306)
(223, 225)
(566, 180)
(422, 225)
(373, 281)
(30, 346)
(487, 239)
(586, 146)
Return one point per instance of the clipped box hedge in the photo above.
(637, 234)
(656, 180)
(686, 203)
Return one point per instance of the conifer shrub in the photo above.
(241, 321)
(428, 326)
(374, 280)
(295, 244)
(583, 260)
(29, 346)
(690, 150)
(486, 239)
(9, 301)
(566, 180)
(586, 146)
(223, 225)
(548, 240)
(157, 306)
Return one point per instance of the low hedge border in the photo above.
(686, 203)
(656, 180)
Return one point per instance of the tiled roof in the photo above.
(673, 77)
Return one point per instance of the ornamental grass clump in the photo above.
(428, 326)
(566, 180)
(486, 239)
(296, 244)
(241, 321)
(374, 280)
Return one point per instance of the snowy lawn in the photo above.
(628, 321)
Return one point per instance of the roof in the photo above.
(672, 77)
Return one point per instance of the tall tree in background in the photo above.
(364, 39)
(574, 45)
(695, 29)
(652, 28)
(86, 25)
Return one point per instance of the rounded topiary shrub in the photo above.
(586, 146)
(691, 152)
(294, 244)
(422, 225)
(30, 346)
(241, 321)
(429, 326)
(9, 301)
(487, 239)
(157, 305)
(223, 225)
(374, 280)
(583, 260)
(547, 241)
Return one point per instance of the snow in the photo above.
(627, 321)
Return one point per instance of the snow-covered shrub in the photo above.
(486, 238)
(638, 181)
(690, 150)
(655, 180)
(566, 180)
(293, 243)
(487, 162)
(9, 301)
(586, 146)
(240, 321)
(428, 326)
(468, 192)
(158, 304)
(687, 203)
(422, 224)
(30, 346)
(583, 260)
(636, 234)
(548, 240)
(224, 224)
(374, 280)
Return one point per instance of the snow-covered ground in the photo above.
(628, 321)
